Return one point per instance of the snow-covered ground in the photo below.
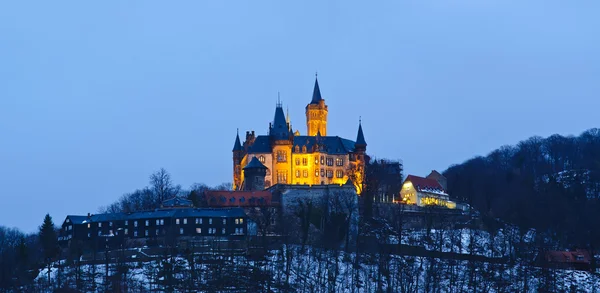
(319, 270)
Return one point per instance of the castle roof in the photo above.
(326, 144)
(255, 164)
(316, 97)
(279, 127)
(360, 138)
(237, 146)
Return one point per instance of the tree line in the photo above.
(550, 184)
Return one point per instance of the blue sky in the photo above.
(96, 95)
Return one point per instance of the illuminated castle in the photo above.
(291, 158)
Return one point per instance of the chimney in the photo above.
(89, 215)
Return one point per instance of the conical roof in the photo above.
(360, 138)
(279, 128)
(255, 164)
(316, 97)
(237, 146)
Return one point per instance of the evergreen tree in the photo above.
(49, 242)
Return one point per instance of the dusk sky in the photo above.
(97, 95)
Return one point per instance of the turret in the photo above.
(316, 113)
(254, 175)
(238, 155)
(361, 144)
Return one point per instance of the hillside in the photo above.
(552, 184)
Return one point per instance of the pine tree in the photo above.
(49, 242)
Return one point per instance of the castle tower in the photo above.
(254, 175)
(281, 138)
(238, 155)
(360, 149)
(316, 113)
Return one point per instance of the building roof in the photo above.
(255, 164)
(229, 198)
(360, 137)
(279, 128)
(425, 185)
(577, 256)
(237, 146)
(159, 213)
(326, 144)
(177, 202)
(316, 97)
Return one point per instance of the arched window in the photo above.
(261, 159)
(242, 199)
(232, 200)
(297, 149)
(304, 149)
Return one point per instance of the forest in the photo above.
(550, 184)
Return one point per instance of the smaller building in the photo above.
(425, 192)
(175, 218)
(578, 259)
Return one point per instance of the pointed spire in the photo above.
(316, 97)
(279, 128)
(360, 138)
(237, 146)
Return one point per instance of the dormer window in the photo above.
(261, 159)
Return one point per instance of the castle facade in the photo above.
(311, 159)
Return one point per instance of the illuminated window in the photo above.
(316, 160)
(210, 221)
(223, 231)
(305, 173)
(147, 223)
(198, 230)
(297, 173)
(177, 221)
(241, 220)
(304, 149)
(339, 162)
(134, 233)
(281, 156)
(156, 232)
(261, 159)
(126, 222)
(329, 174)
(162, 221)
(126, 231)
(185, 221)
(135, 224)
(281, 176)
(317, 173)
(110, 224)
(99, 225)
(304, 161)
(180, 230)
(146, 233)
(322, 172)
(297, 149)
(297, 161)
(89, 225)
(329, 161)
(157, 222)
(322, 160)
(339, 173)
(224, 221)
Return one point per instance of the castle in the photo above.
(291, 158)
